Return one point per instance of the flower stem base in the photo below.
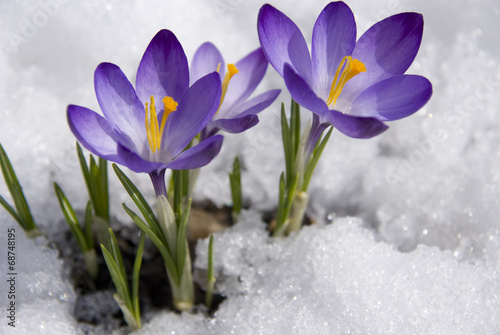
(297, 212)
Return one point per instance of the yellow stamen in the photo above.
(348, 68)
(231, 71)
(154, 132)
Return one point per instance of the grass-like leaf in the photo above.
(210, 273)
(139, 200)
(117, 255)
(235, 184)
(11, 211)
(88, 224)
(119, 280)
(287, 144)
(182, 248)
(127, 300)
(71, 219)
(135, 277)
(159, 242)
(286, 196)
(318, 150)
(21, 213)
(295, 127)
(96, 180)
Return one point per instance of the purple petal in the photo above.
(253, 106)
(194, 111)
(393, 98)
(199, 155)
(388, 48)
(93, 132)
(136, 163)
(315, 133)
(334, 37)
(163, 70)
(206, 60)
(120, 105)
(251, 71)
(302, 93)
(283, 42)
(354, 126)
(235, 126)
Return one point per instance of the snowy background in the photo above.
(407, 238)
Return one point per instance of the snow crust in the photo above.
(407, 238)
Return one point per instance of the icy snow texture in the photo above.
(41, 288)
(421, 252)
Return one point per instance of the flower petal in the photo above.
(194, 111)
(283, 42)
(354, 126)
(205, 60)
(163, 70)
(388, 48)
(235, 126)
(135, 163)
(393, 98)
(334, 37)
(120, 105)
(253, 106)
(199, 155)
(302, 93)
(93, 132)
(252, 69)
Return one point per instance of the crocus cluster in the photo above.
(171, 118)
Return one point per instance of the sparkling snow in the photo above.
(407, 239)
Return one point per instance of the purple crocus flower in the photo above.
(235, 114)
(353, 85)
(147, 129)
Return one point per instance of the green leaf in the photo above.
(104, 191)
(135, 277)
(167, 257)
(210, 273)
(181, 238)
(181, 181)
(88, 225)
(235, 183)
(119, 280)
(22, 206)
(290, 195)
(11, 211)
(7, 169)
(280, 217)
(83, 166)
(286, 137)
(139, 200)
(96, 180)
(117, 255)
(318, 150)
(23, 214)
(71, 218)
(295, 127)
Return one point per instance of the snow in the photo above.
(407, 238)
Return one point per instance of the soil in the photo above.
(95, 305)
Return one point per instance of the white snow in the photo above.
(414, 241)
